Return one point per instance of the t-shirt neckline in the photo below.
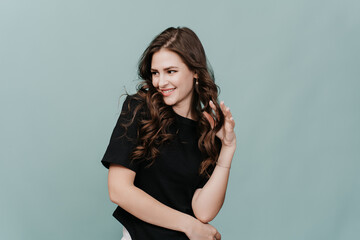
(185, 120)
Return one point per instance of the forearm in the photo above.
(208, 201)
(145, 207)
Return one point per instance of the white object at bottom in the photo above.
(126, 235)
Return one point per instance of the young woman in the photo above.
(170, 152)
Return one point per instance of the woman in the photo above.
(170, 152)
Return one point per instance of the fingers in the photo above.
(212, 105)
(217, 236)
(226, 111)
(209, 118)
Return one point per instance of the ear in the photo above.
(196, 75)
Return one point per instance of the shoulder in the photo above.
(134, 106)
(133, 100)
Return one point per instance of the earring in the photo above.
(196, 85)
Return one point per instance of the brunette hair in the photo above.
(153, 131)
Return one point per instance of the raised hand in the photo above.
(226, 134)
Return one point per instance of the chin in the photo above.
(169, 102)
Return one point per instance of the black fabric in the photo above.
(172, 179)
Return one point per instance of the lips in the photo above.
(167, 91)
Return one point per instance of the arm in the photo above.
(140, 204)
(207, 201)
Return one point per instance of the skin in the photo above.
(169, 72)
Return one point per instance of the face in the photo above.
(173, 79)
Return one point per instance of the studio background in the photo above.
(289, 71)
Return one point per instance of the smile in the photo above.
(167, 92)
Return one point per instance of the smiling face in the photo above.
(172, 78)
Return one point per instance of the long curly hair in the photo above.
(153, 131)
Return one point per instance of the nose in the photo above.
(162, 80)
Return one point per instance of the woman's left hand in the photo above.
(226, 134)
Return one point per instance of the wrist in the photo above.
(228, 148)
(187, 224)
(226, 156)
(226, 166)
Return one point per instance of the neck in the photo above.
(187, 113)
(184, 109)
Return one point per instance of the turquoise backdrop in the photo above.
(288, 69)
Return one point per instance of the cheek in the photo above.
(154, 82)
(184, 82)
(189, 84)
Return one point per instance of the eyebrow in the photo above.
(167, 68)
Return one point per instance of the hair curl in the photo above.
(153, 131)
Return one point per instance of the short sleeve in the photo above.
(123, 142)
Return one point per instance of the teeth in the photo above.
(168, 90)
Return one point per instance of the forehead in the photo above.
(165, 58)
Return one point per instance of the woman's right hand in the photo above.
(202, 231)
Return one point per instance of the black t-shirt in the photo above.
(172, 179)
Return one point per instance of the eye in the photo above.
(153, 73)
(171, 71)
